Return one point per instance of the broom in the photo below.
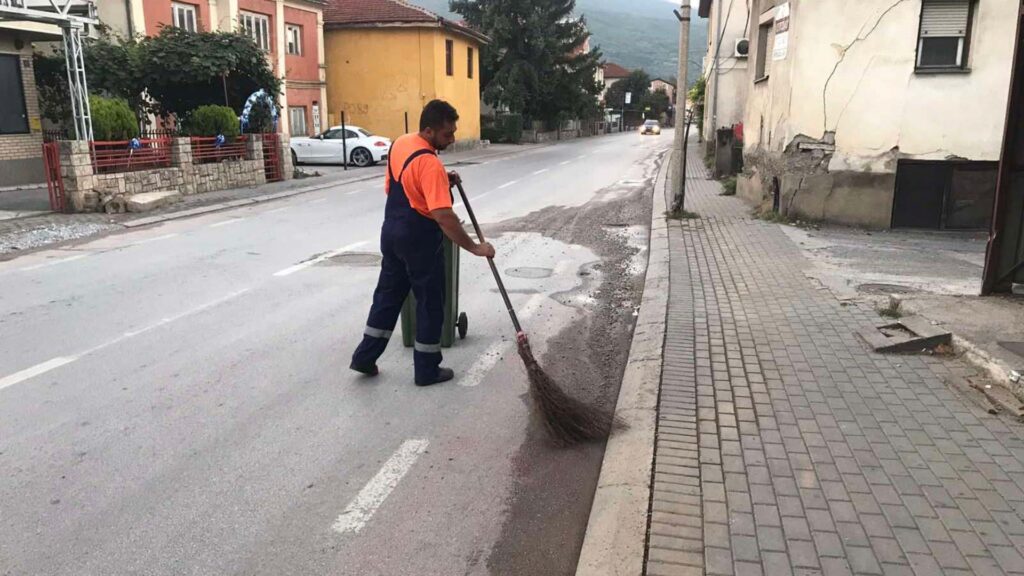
(568, 421)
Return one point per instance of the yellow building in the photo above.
(386, 59)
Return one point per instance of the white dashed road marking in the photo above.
(362, 507)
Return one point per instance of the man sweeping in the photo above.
(418, 211)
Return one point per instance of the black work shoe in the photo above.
(443, 375)
(370, 370)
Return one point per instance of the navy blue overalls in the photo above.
(413, 258)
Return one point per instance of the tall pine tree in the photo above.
(535, 64)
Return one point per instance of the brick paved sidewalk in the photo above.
(786, 447)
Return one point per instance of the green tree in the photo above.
(534, 64)
(112, 119)
(638, 84)
(696, 101)
(52, 85)
(212, 120)
(171, 73)
(183, 70)
(112, 65)
(656, 103)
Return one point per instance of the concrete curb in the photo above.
(617, 531)
(1000, 372)
(289, 193)
(240, 202)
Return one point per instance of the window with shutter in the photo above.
(943, 37)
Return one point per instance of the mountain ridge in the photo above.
(632, 33)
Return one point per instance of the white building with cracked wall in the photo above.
(725, 63)
(879, 113)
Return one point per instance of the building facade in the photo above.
(290, 32)
(21, 130)
(876, 113)
(386, 59)
(610, 74)
(666, 86)
(725, 65)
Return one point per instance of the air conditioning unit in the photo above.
(742, 48)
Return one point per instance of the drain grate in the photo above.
(1015, 347)
(353, 259)
(529, 272)
(874, 288)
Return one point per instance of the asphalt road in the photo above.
(176, 399)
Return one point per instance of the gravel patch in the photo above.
(50, 234)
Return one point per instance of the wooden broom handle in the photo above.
(490, 261)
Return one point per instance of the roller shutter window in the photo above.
(945, 28)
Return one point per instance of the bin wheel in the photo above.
(462, 325)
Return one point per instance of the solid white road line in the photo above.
(226, 222)
(36, 370)
(362, 507)
(168, 320)
(55, 262)
(303, 265)
(55, 363)
(489, 359)
(155, 239)
(474, 199)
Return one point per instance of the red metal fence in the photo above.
(54, 179)
(272, 157)
(205, 150)
(123, 156)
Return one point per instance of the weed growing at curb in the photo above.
(893, 310)
(772, 216)
(729, 186)
(681, 215)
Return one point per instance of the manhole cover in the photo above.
(528, 272)
(885, 289)
(1015, 347)
(353, 259)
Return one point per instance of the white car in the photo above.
(364, 149)
(650, 127)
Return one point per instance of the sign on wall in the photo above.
(781, 45)
(316, 118)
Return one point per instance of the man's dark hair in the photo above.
(436, 113)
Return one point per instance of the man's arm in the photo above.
(452, 228)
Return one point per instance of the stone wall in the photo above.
(89, 192)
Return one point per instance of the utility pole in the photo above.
(678, 182)
(714, 90)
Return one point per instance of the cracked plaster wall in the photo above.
(849, 75)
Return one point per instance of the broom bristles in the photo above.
(567, 420)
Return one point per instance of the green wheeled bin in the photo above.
(453, 320)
